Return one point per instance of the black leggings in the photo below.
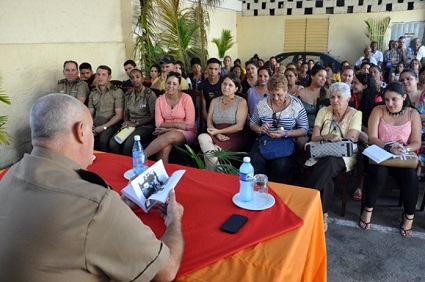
(406, 180)
(321, 178)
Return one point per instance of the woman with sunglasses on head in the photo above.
(277, 119)
(225, 122)
(333, 123)
(174, 119)
(395, 127)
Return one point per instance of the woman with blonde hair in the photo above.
(278, 119)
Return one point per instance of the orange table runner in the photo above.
(207, 200)
(299, 255)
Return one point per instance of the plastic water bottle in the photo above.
(246, 180)
(139, 159)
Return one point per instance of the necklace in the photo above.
(342, 117)
(395, 115)
(225, 102)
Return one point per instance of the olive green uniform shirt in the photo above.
(105, 104)
(141, 108)
(56, 226)
(77, 89)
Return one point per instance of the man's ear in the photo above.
(79, 131)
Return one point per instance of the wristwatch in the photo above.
(104, 128)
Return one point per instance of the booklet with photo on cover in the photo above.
(152, 186)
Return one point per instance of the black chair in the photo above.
(157, 92)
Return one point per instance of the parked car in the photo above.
(323, 58)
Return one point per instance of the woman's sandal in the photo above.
(405, 232)
(362, 224)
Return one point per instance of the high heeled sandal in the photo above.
(362, 224)
(405, 232)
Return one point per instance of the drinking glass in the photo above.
(260, 183)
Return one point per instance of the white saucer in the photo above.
(260, 202)
(129, 174)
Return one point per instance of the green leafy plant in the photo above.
(5, 137)
(224, 43)
(376, 29)
(225, 159)
(164, 27)
(180, 27)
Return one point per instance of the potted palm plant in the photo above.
(225, 163)
(224, 43)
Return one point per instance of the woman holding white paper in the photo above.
(395, 127)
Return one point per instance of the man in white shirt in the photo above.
(367, 55)
(376, 53)
(419, 50)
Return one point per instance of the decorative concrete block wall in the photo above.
(322, 7)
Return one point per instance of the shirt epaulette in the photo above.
(113, 87)
(93, 178)
(61, 81)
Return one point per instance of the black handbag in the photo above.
(273, 148)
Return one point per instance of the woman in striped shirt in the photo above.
(279, 116)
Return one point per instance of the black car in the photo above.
(323, 58)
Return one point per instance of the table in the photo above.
(299, 255)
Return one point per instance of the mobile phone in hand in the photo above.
(234, 223)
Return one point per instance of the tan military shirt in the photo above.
(55, 226)
(106, 103)
(77, 89)
(141, 108)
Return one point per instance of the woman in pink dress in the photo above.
(395, 127)
(174, 119)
